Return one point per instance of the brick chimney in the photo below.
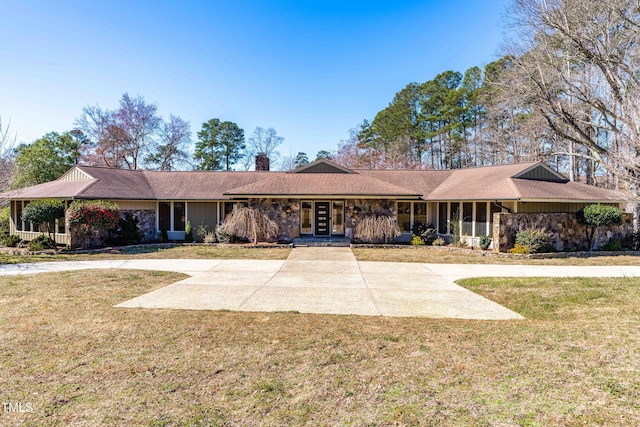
(262, 162)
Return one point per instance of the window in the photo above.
(164, 216)
(26, 226)
(494, 209)
(481, 218)
(18, 216)
(338, 217)
(443, 217)
(454, 218)
(228, 208)
(404, 216)
(419, 213)
(305, 218)
(467, 218)
(179, 219)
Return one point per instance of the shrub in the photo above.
(164, 235)
(247, 223)
(613, 245)
(223, 236)
(427, 232)
(201, 231)
(5, 219)
(536, 241)
(209, 238)
(188, 236)
(44, 213)
(376, 228)
(485, 242)
(417, 241)
(632, 241)
(128, 232)
(519, 249)
(12, 241)
(439, 242)
(91, 216)
(41, 243)
(596, 216)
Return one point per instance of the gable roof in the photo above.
(322, 166)
(521, 181)
(532, 181)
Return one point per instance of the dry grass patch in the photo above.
(425, 254)
(160, 252)
(80, 361)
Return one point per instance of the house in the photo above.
(320, 199)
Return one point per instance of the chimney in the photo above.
(262, 162)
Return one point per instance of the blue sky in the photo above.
(310, 69)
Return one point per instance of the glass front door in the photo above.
(323, 219)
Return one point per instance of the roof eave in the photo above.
(541, 200)
(326, 196)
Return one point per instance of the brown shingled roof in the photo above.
(323, 184)
(53, 189)
(201, 185)
(483, 183)
(499, 183)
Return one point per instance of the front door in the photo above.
(323, 220)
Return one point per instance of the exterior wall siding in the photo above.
(552, 207)
(202, 213)
(540, 174)
(76, 175)
(134, 205)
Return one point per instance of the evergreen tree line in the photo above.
(566, 91)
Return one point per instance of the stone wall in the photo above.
(567, 234)
(146, 224)
(357, 209)
(276, 209)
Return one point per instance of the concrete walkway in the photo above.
(328, 281)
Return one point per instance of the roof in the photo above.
(323, 184)
(523, 181)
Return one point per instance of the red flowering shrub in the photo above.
(93, 215)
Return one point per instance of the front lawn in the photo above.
(159, 252)
(430, 255)
(79, 361)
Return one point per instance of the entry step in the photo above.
(321, 242)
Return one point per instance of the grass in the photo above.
(158, 252)
(79, 361)
(408, 254)
(424, 254)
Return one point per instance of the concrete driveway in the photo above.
(327, 281)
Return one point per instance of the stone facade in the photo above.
(567, 234)
(146, 224)
(357, 209)
(285, 212)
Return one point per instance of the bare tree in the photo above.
(170, 152)
(262, 141)
(7, 141)
(119, 138)
(288, 162)
(578, 61)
